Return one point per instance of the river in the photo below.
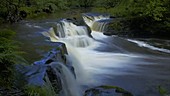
(132, 64)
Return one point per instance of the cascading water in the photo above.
(69, 85)
(51, 35)
(100, 60)
(97, 22)
(72, 34)
(81, 50)
(74, 37)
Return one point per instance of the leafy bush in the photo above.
(107, 3)
(145, 17)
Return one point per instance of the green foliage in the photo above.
(155, 9)
(28, 10)
(45, 90)
(9, 10)
(162, 91)
(49, 4)
(8, 56)
(6, 33)
(107, 3)
(15, 10)
(146, 8)
(85, 3)
(42, 8)
(36, 91)
(153, 16)
(72, 3)
(151, 8)
(117, 25)
(80, 3)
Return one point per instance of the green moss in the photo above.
(104, 88)
(162, 91)
(117, 25)
(36, 91)
(117, 89)
(45, 90)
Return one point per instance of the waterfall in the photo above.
(74, 37)
(97, 22)
(70, 33)
(69, 85)
(51, 34)
(70, 29)
(86, 61)
(78, 41)
(101, 60)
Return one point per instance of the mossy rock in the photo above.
(106, 90)
(118, 26)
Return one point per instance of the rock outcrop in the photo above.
(107, 91)
(35, 74)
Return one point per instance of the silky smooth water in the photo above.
(106, 60)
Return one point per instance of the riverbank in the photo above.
(32, 33)
(138, 19)
(127, 22)
(123, 26)
(138, 27)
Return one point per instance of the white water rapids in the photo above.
(99, 60)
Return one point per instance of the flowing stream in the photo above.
(103, 60)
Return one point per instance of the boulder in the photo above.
(106, 90)
(37, 73)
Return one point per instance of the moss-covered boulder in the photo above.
(106, 90)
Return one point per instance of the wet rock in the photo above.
(89, 30)
(54, 79)
(115, 27)
(33, 74)
(97, 22)
(107, 91)
(77, 22)
(112, 17)
(36, 73)
(74, 21)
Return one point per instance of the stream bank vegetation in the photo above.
(134, 18)
(9, 57)
(139, 18)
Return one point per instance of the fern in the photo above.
(9, 56)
